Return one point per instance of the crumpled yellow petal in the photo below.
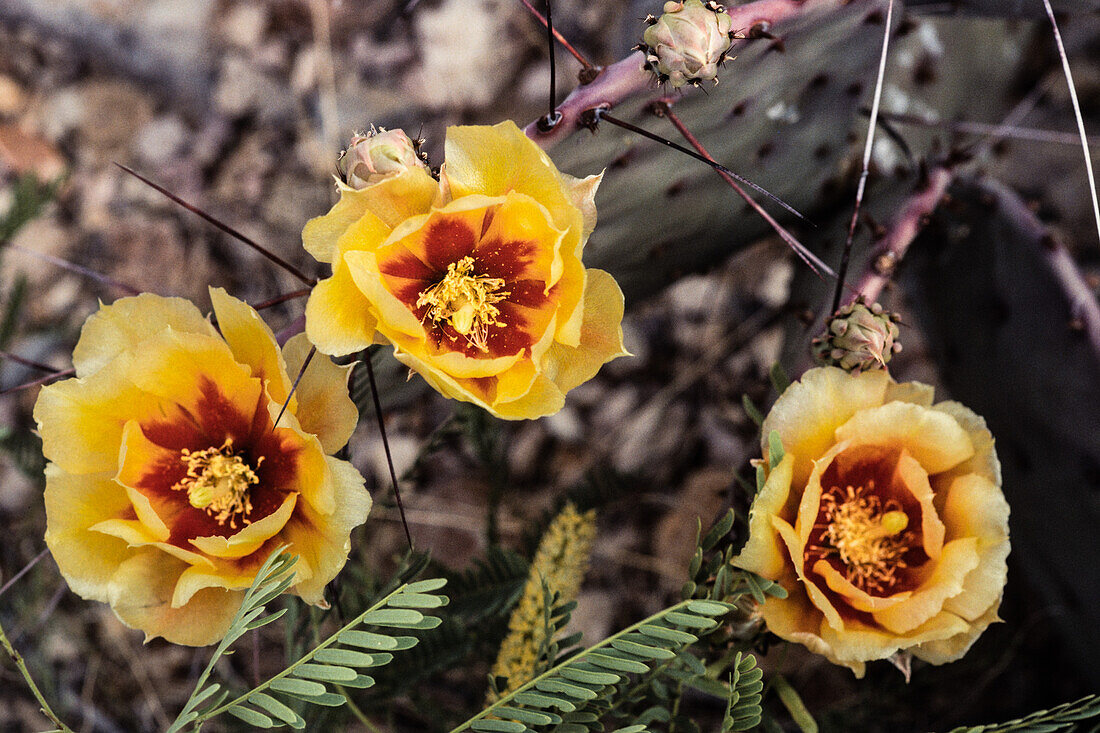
(763, 552)
(252, 342)
(124, 324)
(321, 541)
(601, 334)
(976, 508)
(140, 593)
(325, 408)
(932, 437)
(808, 412)
(73, 504)
(958, 558)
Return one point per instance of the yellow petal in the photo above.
(322, 541)
(933, 437)
(942, 651)
(338, 317)
(913, 476)
(74, 503)
(127, 322)
(796, 550)
(914, 392)
(81, 420)
(809, 505)
(795, 619)
(976, 508)
(326, 409)
(601, 336)
(862, 643)
(543, 398)
(140, 593)
(253, 343)
(984, 461)
(251, 537)
(196, 578)
(959, 557)
(763, 553)
(808, 413)
(392, 201)
(856, 598)
(393, 315)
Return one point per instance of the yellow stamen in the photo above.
(869, 538)
(218, 482)
(465, 300)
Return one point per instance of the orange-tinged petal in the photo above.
(915, 478)
(859, 643)
(808, 412)
(763, 553)
(855, 597)
(796, 549)
(393, 315)
(984, 462)
(338, 316)
(914, 392)
(391, 201)
(809, 505)
(322, 541)
(495, 160)
(959, 557)
(74, 503)
(325, 408)
(543, 398)
(81, 420)
(942, 651)
(253, 343)
(140, 593)
(932, 437)
(251, 537)
(601, 336)
(976, 508)
(197, 578)
(124, 324)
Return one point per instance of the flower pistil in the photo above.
(465, 300)
(868, 536)
(218, 482)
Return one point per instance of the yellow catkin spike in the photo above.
(560, 563)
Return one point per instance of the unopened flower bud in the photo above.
(377, 155)
(688, 42)
(859, 337)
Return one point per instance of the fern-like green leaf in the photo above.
(743, 702)
(575, 689)
(1063, 717)
(335, 661)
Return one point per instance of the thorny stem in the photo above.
(553, 70)
(900, 234)
(386, 445)
(26, 569)
(223, 226)
(40, 381)
(301, 373)
(628, 77)
(1076, 111)
(26, 362)
(872, 125)
(985, 128)
(561, 39)
(281, 299)
(663, 107)
(599, 114)
(78, 269)
(22, 667)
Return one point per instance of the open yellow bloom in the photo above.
(884, 521)
(168, 484)
(476, 279)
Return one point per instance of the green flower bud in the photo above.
(859, 337)
(688, 42)
(377, 155)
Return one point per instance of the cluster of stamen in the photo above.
(218, 482)
(466, 301)
(867, 535)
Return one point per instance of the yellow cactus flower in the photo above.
(884, 521)
(476, 279)
(168, 484)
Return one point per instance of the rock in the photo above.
(161, 140)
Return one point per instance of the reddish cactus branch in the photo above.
(891, 248)
(627, 77)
